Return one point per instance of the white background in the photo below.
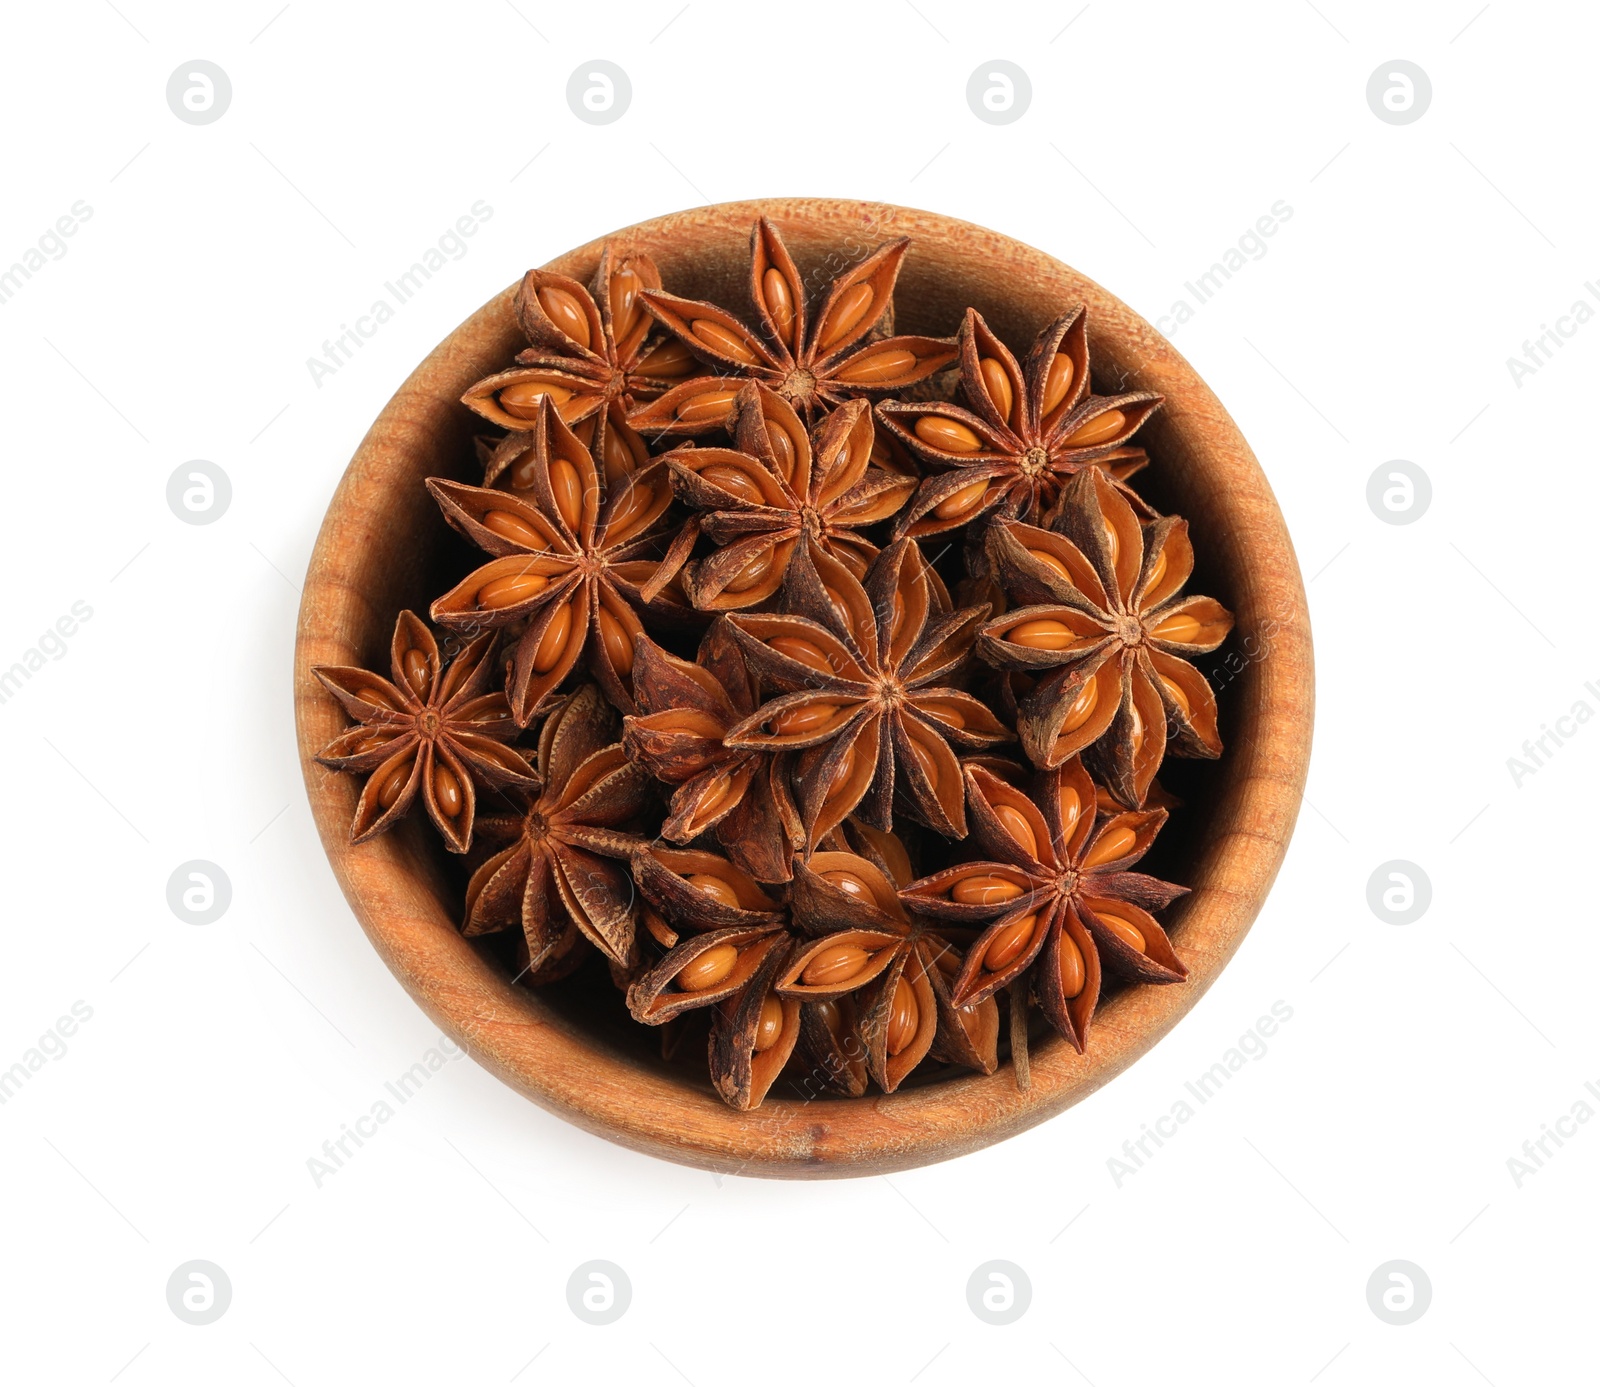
(1379, 1122)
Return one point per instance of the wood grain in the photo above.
(382, 538)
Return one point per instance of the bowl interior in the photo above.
(384, 546)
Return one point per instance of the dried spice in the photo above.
(775, 494)
(685, 710)
(894, 967)
(726, 940)
(561, 878)
(715, 730)
(592, 356)
(434, 729)
(567, 568)
(1104, 619)
(1028, 429)
(1059, 900)
(862, 674)
(814, 358)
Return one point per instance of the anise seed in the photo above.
(847, 313)
(984, 890)
(625, 310)
(715, 796)
(751, 574)
(393, 784)
(1115, 842)
(1098, 429)
(949, 434)
(1083, 706)
(566, 313)
(1043, 633)
(708, 969)
(512, 527)
(690, 722)
(419, 672)
(618, 644)
(1051, 561)
(1015, 822)
(568, 491)
(1125, 930)
(1057, 381)
(718, 889)
(806, 652)
(508, 591)
(735, 480)
(959, 502)
(447, 791)
(849, 883)
(903, 1016)
(1010, 944)
(769, 1026)
(876, 368)
(1158, 571)
(553, 644)
(780, 304)
(833, 965)
(998, 384)
(719, 339)
(707, 406)
(1073, 973)
(947, 713)
(808, 717)
(521, 400)
(1180, 628)
(841, 776)
(669, 361)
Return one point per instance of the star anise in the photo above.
(1100, 615)
(1061, 898)
(684, 711)
(776, 493)
(591, 355)
(1028, 430)
(558, 878)
(815, 361)
(862, 672)
(864, 945)
(568, 568)
(434, 728)
(726, 940)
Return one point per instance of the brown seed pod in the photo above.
(704, 969)
(1029, 429)
(595, 354)
(753, 1034)
(1099, 619)
(740, 795)
(559, 869)
(865, 947)
(568, 568)
(778, 493)
(433, 730)
(815, 358)
(1056, 900)
(698, 891)
(882, 723)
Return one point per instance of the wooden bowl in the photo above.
(384, 546)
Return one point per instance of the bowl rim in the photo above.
(576, 1074)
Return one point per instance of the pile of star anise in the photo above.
(718, 719)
